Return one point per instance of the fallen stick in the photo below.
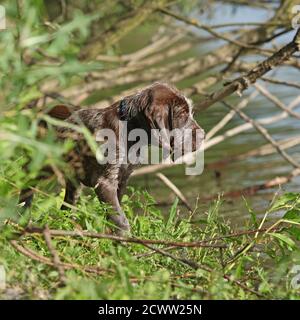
(67, 233)
(244, 233)
(172, 187)
(195, 266)
(55, 257)
(34, 256)
(252, 190)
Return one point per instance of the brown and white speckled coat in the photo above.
(158, 106)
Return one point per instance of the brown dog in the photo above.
(158, 106)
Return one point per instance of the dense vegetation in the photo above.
(47, 48)
(248, 265)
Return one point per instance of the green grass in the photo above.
(255, 266)
(250, 267)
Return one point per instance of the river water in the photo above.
(251, 171)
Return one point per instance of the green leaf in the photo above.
(293, 215)
(172, 214)
(284, 239)
(294, 231)
(252, 214)
(284, 200)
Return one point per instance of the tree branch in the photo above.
(67, 233)
(242, 83)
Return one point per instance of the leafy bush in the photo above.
(256, 264)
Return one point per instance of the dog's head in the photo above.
(165, 109)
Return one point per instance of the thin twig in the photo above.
(148, 254)
(208, 29)
(276, 101)
(265, 134)
(221, 124)
(177, 192)
(77, 233)
(274, 182)
(281, 82)
(264, 150)
(34, 256)
(242, 83)
(240, 234)
(55, 258)
(194, 265)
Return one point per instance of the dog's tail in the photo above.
(60, 111)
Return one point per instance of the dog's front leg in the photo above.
(124, 174)
(70, 195)
(107, 191)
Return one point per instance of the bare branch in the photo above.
(34, 256)
(276, 101)
(177, 192)
(208, 29)
(280, 82)
(55, 258)
(265, 134)
(242, 83)
(77, 233)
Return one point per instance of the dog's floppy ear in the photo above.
(60, 111)
(159, 117)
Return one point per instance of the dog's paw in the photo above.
(123, 233)
(123, 230)
(122, 226)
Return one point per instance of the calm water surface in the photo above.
(237, 174)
